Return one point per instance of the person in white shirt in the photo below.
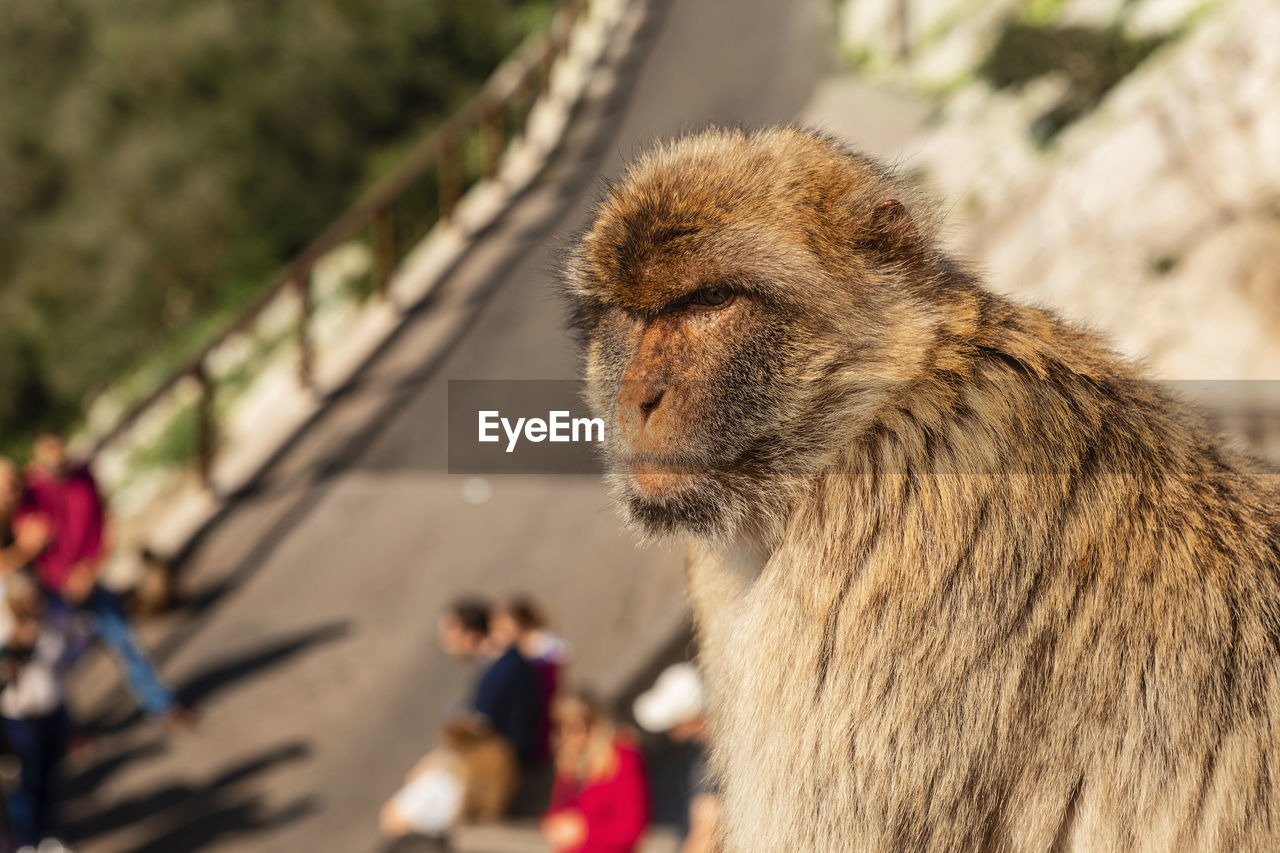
(675, 706)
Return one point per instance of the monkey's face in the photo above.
(729, 305)
(689, 391)
(699, 362)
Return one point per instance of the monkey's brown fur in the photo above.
(963, 580)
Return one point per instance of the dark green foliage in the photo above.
(159, 159)
(1093, 60)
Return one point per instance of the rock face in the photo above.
(1155, 217)
(944, 39)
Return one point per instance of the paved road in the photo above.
(308, 639)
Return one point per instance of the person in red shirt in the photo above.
(600, 799)
(66, 499)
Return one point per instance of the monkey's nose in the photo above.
(637, 402)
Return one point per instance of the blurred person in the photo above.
(22, 536)
(467, 764)
(67, 499)
(21, 539)
(471, 775)
(32, 710)
(521, 623)
(509, 694)
(600, 800)
(675, 706)
(537, 642)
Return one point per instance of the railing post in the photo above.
(549, 51)
(491, 140)
(206, 427)
(301, 282)
(566, 16)
(382, 239)
(448, 176)
(519, 103)
(902, 21)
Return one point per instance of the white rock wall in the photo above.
(1157, 217)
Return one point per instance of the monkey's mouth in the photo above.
(654, 476)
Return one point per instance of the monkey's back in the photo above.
(1037, 610)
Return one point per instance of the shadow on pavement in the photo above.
(227, 672)
(220, 675)
(91, 777)
(190, 817)
(414, 844)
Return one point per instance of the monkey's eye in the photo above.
(715, 296)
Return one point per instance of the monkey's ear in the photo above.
(889, 233)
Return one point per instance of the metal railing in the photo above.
(391, 219)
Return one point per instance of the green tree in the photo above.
(159, 159)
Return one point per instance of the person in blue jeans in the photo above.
(110, 625)
(65, 498)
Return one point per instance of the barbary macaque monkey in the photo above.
(962, 579)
